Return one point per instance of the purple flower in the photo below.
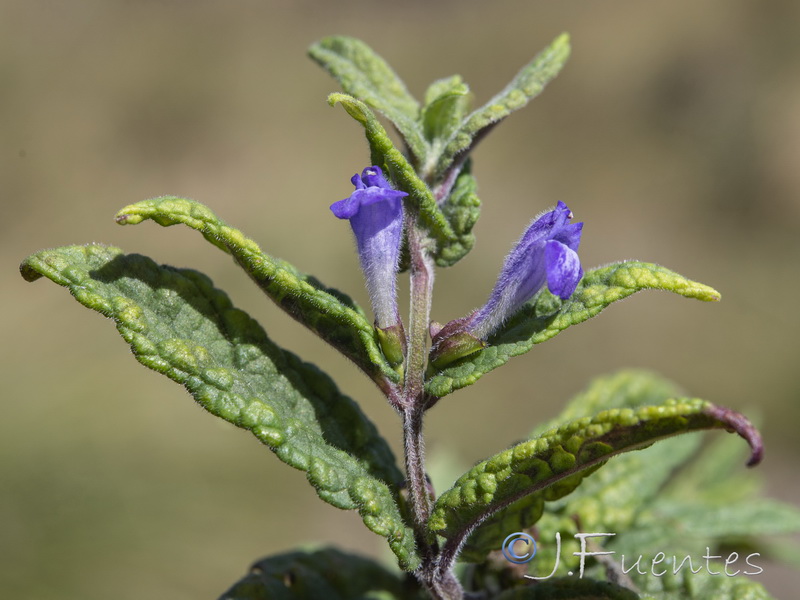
(545, 253)
(375, 211)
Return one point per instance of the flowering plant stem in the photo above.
(413, 408)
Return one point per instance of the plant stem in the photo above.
(417, 335)
(415, 471)
(414, 391)
(442, 586)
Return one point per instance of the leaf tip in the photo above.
(127, 216)
(28, 272)
(708, 294)
(740, 424)
(340, 98)
(560, 48)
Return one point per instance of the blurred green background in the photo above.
(673, 133)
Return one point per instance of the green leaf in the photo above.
(461, 208)
(785, 551)
(330, 314)
(546, 316)
(655, 502)
(328, 573)
(715, 476)
(710, 503)
(611, 499)
(527, 84)
(443, 87)
(614, 496)
(674, 524)
(698, 586)
(446, 103)
(179, 325)
(569, 589)
(555, 463)
(690, 525)
(628, 388)
(401, 171)
(489, 535)
(366, 76)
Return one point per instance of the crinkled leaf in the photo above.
(711, 502)
(402, 172)
(461, 208)
(327, 312)
(366, 76)
(555, 463)
(546, 316)
(179, 325)
(527, 84)
(613, 496)
(489, 535)
(569, 589)
(325, 574)
(669, 498)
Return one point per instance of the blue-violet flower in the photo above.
(375, 211)
(546, 252)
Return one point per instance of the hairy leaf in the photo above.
(569, 589)
(613, 496)
(461, 208)
(179, 325)
(710, 503)
(555, 463)
(446, 103)
(366, 76)
(329, 574)
(527, 84)
(546, 316)
(669, 498)
(327, 312)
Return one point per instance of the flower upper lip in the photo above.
(371, 186)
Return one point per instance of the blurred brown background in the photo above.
(674, 133)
